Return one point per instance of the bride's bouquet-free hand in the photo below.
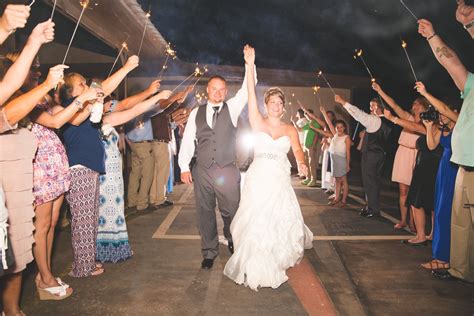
(303, 169)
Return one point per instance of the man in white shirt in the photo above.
(373, 151)
(210, 133)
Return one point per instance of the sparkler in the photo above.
(170, 52)
(359, 54)
(148, 14)
(84, 4)
(408, 9)
(54, 9)
(404, 45)
(320, 74)
(315, 91)
(123, 46)
(32, 2)
(198, 72)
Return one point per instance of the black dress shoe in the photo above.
(166, 203)
(207, 264)
(231, 247)
(363, 210)
(367, 214)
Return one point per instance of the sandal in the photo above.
(55, 293)
(61, 283)
(333, 202)
(97, 271)
(435, 264)
(399, 226)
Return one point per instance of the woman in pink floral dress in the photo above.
(51, 177)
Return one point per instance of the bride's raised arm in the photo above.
(255, 117)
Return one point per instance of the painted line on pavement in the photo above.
(309, 289)
(166, 224)
(316, 238)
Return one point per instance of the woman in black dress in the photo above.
(422, 188)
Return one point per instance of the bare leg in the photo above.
(430, 236)
(42, 227)
(403, 188)
(337, 192)
(420, 221)
(11, 293)
(345, 192)
(54, 220)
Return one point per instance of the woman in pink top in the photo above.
(406, 153)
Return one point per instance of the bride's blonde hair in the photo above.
(274, 91)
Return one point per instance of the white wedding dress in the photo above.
(268, 230)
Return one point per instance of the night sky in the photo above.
(309, 35)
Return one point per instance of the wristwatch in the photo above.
(468, 25)
(79, 104)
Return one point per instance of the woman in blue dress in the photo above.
(445, 180)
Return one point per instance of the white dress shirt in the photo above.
(235, 105)
(371, 122)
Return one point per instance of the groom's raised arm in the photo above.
(186, 151)
(238, 102)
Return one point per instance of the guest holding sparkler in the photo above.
(340, 153)
(373, 152)
(112, 237)
(327, 179)
(445, 179)
(311, 146)
(405, 157)
(86, 156)
(462, 234)
(420, 196)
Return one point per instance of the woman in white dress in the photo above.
(268, 230)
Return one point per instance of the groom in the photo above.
(210, 134)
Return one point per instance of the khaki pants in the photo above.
(313, 161)
(141, 175)
(462, 222)
(161, 173)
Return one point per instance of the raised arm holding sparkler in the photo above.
(12, 81)
(406, 124)
(321, 122)
(439, 105)
(131, 101)
(14, 17)
(111, 83)
(117, 118)
(465, 16)
(391, 102)
(445, 55)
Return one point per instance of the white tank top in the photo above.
(338, 145)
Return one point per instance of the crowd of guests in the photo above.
(58, 140)
(433, 166)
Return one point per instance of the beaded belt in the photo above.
(269, 156)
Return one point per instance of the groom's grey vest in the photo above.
(218, 144)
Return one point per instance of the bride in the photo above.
(268, 230)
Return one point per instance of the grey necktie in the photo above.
(214, 116)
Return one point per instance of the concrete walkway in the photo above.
(358, 267)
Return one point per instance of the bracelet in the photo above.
(430, 37)
(79, 104)
(468, 25)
